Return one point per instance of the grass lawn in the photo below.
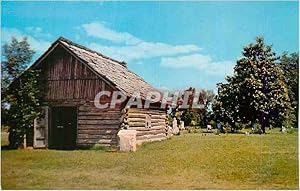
(188, 161)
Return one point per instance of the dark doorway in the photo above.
(63, 129)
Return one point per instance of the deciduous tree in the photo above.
(257, 90)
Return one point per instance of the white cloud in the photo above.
(144, 50)
(99, 30)
(38, 45)
(129, 48)
(37, 32)
(199, 62)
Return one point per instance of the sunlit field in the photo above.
(188, 161)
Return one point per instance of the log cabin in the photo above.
(72, 75)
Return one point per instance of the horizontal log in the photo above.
(154, 132)
(96, 141)
(158, 124)
(136, 115)
(95, 136)
(143, 115)
(96, 127)
(97, 131)
(99, 112)
(145, 111)
(136, 120)
(95, 109)
(99, 122)
(159, 116)
(144, 120)
(158, 121)
(98, 117)
(136, 124)
(146, 129)
(87, 145)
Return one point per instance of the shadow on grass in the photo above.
(7, 147)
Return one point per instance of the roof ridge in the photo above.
(122, 63)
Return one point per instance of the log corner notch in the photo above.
(124, 119)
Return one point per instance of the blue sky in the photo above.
(172, 45)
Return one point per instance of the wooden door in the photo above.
(63, 130)
(40, 129)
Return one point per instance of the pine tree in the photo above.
(20, 92)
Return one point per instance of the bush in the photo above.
(212, 123)
(170, 120)
(240, 126)
(292, 130)
(187, 118)
(227, 128)
(191, 118)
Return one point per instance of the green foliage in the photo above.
(240, 126)
(227, 127)
(290, 67)
(187, 118)
(17, 57)
(21, 99)
(289, 123)
(212, 123)
(191, 118)
(257, 87)
(170, 120)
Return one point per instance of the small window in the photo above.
(148, 121)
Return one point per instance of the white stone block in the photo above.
(127, 140)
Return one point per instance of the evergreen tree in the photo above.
(20, 92)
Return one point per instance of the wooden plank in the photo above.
(96, 141)
(146, 129)
(158, 124)
(143, 115)
(98, 144)
(95, 136)
(98, 117)
(98, 127)
(98, 131)
(84, 113)
(133, 120)
(153, 132)
(93, 108)
(145, 111)
(99, 122)
(136, 124)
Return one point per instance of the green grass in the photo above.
(188, 161)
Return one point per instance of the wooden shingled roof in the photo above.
(110, 69)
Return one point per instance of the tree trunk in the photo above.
(263, 122)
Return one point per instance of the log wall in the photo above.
(136, 119)
(97, 126)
